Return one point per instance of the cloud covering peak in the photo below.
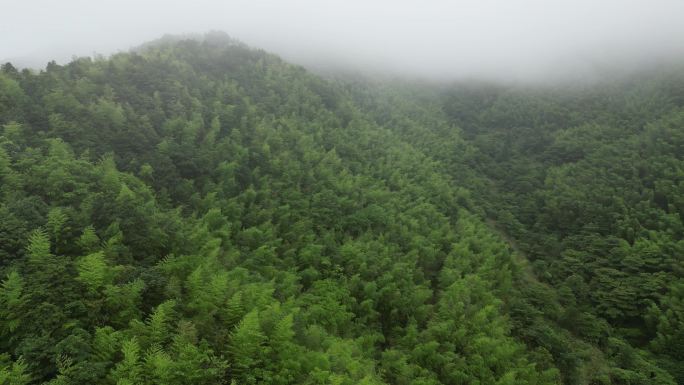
(514, 39)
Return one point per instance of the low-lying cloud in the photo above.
(514, 39)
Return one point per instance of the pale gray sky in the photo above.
(497, 38)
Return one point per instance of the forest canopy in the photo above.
(201, 212)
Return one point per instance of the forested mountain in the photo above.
(200, 212)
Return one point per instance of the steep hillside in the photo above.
(199, 212)
(589, 182)
(557, 172)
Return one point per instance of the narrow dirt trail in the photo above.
(519, 256)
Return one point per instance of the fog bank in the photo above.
(509, 40)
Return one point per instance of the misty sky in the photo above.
(502, 39)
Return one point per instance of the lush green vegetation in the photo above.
(198, 212)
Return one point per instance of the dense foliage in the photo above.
(198, 212)
(589, 181)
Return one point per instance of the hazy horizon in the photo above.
(498, 40)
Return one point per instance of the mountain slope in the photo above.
(196, 211)
(497, 141)
(200, 212)
(587, 180)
